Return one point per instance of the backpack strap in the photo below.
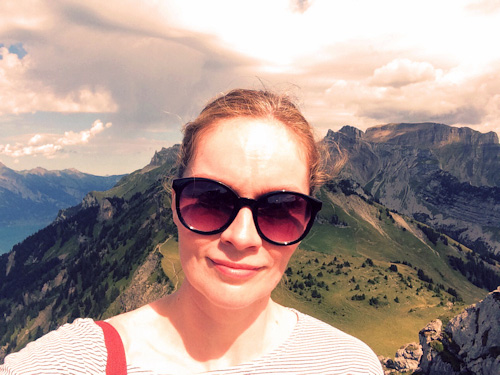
(116, 363)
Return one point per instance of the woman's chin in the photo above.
(232, 297)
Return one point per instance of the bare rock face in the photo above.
(142, 290)
(408, 357)
(444, 176)
(470, 343)
(476, 332)
(431, 342)
(428, 335)
(165, 155)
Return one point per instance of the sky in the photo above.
(101, 85)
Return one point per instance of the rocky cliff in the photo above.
(467, 154)
(469, 344)
(446, 177)
(428, 135)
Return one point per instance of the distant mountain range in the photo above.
(446, 177)
(391, 250)
(30, 200)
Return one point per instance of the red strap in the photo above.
(116, 363)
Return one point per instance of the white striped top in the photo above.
(313, 347)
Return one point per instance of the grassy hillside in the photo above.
(361, 274)
(364, 269)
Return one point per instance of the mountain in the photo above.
(117, 250)
(99, 257)
(30, 200)
(446, 177)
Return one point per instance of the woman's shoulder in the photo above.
(327, 345)
(76, 348)
(313, 347)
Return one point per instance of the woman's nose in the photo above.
(242, 233)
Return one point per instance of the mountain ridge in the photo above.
(30, 199)
(361, 259)
(428, 134)
(432, 181)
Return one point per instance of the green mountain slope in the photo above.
(367, 270)
(30, 200)
(375, 273)
(85, 262)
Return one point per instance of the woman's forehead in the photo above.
(261, 138)
(244, 148)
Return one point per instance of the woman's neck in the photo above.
(222, 337)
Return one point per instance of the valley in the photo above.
(373, 266)
(30, 200)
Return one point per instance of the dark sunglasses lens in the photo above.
(206, 206)
(283, 217)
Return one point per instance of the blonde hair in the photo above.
(254, 104)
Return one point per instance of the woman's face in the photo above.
(236, 268)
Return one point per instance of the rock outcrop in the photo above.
(407, 358)
(468, 345)
(165, 155)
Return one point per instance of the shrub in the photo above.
(358, 297)
(437, 345)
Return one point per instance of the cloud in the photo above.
(72, 138)
(152, 65)
(405, 90)
(484, 6)
(20, 92)
(116, 58)
(401, 72)
(139, 62)
(48, 145)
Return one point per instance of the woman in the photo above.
(242, 204)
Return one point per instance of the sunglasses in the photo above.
(281, 217)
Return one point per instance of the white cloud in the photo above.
(401, 72)
(48, 145)
(20, 92)
(404, 91)
(18, 150)
(360, 62)
(72, 138)
(35, 139)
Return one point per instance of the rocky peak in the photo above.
(4, 170)
(39, 171)
(165, 155)
(74, 172)
(428, 135)
(90, 200)
(351, 132)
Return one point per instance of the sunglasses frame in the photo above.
(179, 184)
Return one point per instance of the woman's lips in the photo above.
(235, 270)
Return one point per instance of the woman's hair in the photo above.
(254, 104)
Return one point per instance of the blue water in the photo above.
(11, 235)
